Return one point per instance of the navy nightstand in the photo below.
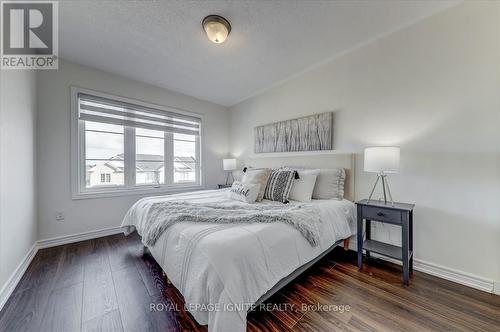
(400, 214)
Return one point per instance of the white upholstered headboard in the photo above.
(327, 160)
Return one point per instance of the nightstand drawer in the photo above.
(381, 214)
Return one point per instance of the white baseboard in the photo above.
(60, 240)
(16, 276)
(496, 288)
(459, 277)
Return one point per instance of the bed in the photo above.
(224, 270)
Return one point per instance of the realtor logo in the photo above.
(29, 38)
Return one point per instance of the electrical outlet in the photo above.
(60, 216)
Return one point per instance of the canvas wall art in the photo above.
(310, 133)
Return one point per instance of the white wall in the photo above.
(433, 89)
(54, 146)
(18, 226)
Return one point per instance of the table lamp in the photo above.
(229, 166)
(382, 160)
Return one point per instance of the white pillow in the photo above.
(245, 192)
(302, 188)
(330, 184)
(257, 176)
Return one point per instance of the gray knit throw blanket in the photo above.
(162, 215)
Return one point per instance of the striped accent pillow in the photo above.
(279, 185)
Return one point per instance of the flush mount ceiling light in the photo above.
(217, 28)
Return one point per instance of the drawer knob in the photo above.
(380, 214)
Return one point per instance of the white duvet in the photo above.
(222, 269)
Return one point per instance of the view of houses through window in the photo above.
(105, 156)
(150, 156)
(184, 158)
(104, 150)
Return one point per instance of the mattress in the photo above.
(222, 269)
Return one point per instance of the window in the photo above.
(127, 146)
(104, 144)
(150, 156)
(105, 178)
(184, 158)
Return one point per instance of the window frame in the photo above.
(78, 169)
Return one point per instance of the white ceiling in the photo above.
(163, 43)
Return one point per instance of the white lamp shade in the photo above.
(229, 164)
(382, 159)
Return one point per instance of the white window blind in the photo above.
(103, 110)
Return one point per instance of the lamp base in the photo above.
(385, 187)
(229, 174)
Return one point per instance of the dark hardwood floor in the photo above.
(108, 284)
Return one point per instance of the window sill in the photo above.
(136, 191)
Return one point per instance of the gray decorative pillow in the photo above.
(330, 184)
(279, 185)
